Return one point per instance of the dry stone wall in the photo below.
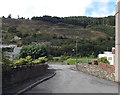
(96, 71)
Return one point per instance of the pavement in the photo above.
(69, 80)
(18, 90)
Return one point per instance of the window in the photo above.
(109, 58)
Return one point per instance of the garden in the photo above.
(30, 63)
(29, 55)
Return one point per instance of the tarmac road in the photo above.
(69, 80)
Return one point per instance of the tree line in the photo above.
(83, 21)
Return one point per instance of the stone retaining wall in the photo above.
(16, 75)
(97, 70)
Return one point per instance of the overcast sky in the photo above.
(60, 8)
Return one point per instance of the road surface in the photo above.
(69, 80)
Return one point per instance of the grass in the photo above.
(72, 61)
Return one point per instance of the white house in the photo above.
(110, 56)
(15, 50)
(17, 38)
(14, 53)
(8, 46)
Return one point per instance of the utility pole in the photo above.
(107, 48)
(73, 52)
(117, 43)
(76, 49)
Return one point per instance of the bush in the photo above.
(64, 58)
(56, 58)
(35, 51)
(5, 60)
(103, 60)
(40, 60)
(50, 57)
(21, 61)
(28, 61)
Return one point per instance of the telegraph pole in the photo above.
(76, 49)
(117, 43)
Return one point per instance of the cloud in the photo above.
(101, 9)
(62, 8)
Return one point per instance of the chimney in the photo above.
(113, 50)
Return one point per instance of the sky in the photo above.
(60, 8)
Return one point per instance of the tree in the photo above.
(3, 16)
(12, 29)
(35, 51)
(9, 16)
(18, 17)
(56, 51)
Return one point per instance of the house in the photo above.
(43, 43)
(11, 53)
(110, 56)
(14, 53)
(8, 46)
(17, 38)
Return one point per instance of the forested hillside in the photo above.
(93, 35)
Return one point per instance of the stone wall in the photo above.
(16, 75)
(98, 70)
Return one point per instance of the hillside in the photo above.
(61, 33)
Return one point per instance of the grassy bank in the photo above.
(72, 61)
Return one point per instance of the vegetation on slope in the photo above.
(94, 35)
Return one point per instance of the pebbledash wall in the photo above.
(117, 43)
(15, 76)
(101, 70)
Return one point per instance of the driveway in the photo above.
(69, 80)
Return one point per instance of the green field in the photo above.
(72, 61)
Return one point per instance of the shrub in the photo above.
(5, 60)
(35, 51)
(37, 61)
(28, 61)
(64, 58)
(50, 57)
(103, 60)
(56, 58)
(43, 59)
(40, 60)
(21, 61)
